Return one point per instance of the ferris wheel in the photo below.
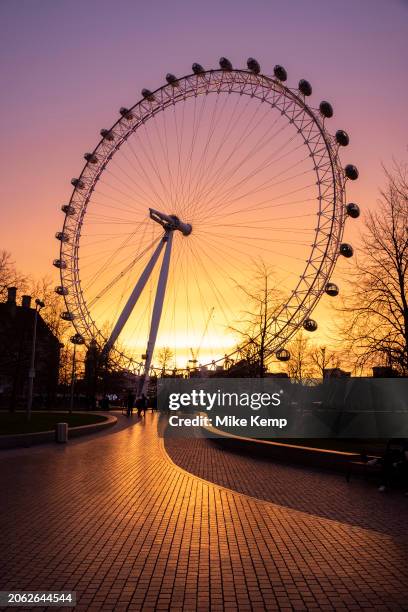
(198, 180)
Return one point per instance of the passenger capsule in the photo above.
(280, 73)
(77, 339)
(353, 210)
(197, 68)
(77, 183)
(332, 289)
(61, 290)
(171, 79)
(310, 325)
(282, 355)
(68, 209)
(351, 172)
(225, 64)
(91, 158)
(59, 263)
(107, 135)
(305, 87)
(126, 113)
(62, 237)
(342, 138)
(148, 95)
(346, 250)
(67, 316)
(326, 109)
(253, 65)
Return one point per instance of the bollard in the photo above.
(61, 432)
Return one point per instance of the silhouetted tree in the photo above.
(263, 299)
(9, 275)
(301, 366)
(323, 358)
(54, 306)
(164, 357)
(375, 310)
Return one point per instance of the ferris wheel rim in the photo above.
(84, 323)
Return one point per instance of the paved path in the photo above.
(325, 494)
(114, 519)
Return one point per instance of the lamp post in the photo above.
(76, 340)
(31, 372)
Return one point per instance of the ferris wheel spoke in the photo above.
(230, 316)
(223, 197)
(216, 117)
(179, 142)
(271, 202)
(224, 179)
(104, 219)
(111, 198)
(143, 180)
(190, 163)
(228, 252)
(254, 172)
(262, 220)
(269, 229)
(223, 306)
(122, 273)
(217, 177)
(260, 247)
(133, 195)
(175, 285)
(190, 159)
(159, 198)
(151, 156)
(238, 238)
(130, 197)
(268, 204)
(196, 321)
(108, 261)
(115, 207)
(184, 158)
(207, 170)
(139, 193)
(165, 149)
(251, 126)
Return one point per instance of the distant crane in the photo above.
(195, 354)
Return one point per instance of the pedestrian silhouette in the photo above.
(141, 404)
(130, 400)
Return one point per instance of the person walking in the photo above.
(143, 403)
(130, 400)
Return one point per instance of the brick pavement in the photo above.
(321, 493)
(114, 519)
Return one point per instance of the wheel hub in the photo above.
(170, 222)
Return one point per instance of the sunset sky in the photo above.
(67, 67)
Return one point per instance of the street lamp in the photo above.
(76, 340)
(31, 372)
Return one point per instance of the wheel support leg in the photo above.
(157, 311)
(134, 296)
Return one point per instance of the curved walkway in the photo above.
(114, 519)
(317, 492)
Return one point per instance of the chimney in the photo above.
(26, 301)
(11, 295)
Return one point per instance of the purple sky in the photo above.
(68, 65)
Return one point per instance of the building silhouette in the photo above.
(16, 335)
(335, 373)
